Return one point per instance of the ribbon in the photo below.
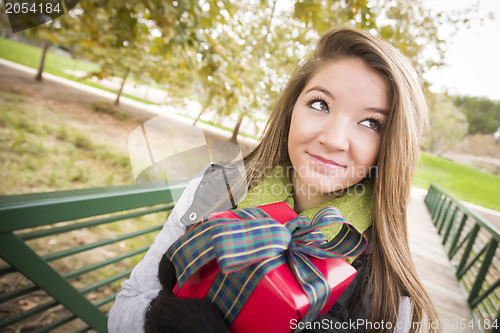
(248, 247)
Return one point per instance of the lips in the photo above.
(325, 163)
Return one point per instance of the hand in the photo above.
(168, 313)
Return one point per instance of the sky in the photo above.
(473, 55)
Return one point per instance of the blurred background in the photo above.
(223, 64)
(73, 89)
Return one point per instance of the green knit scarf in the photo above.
(276, 186)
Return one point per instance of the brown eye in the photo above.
(319, 105)
(372, 124)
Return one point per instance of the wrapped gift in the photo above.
(266, 268)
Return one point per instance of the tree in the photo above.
(45, 48)
(275, 44)
(122, 36)
(113, 35)
(236, 57)
(247, 60)
(448, 125)
(5, 29)
(407, 24)
(45, 33)
(482, 113)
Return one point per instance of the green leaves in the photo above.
(234, 56)
(483, 114)
(449, 126)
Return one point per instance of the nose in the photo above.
(335, 133)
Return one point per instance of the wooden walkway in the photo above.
(434, 268)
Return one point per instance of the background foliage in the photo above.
(482, 113)
(234, 57)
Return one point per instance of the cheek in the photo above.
(301, 128)
(294, 133)
(366, 153)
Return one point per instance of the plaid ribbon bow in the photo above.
(249, 247)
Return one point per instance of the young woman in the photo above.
(345, 133)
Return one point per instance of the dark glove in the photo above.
(168, 313)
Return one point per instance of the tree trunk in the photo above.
(46, 44)
(38, 76)
(204, 107)
(117, 101)
(236, 130)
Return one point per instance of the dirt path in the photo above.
(65, 93)
(484, 163)
(52, 90)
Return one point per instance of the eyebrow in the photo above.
(382, 111)
(323, 90)
(329, 94)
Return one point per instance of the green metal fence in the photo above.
(472, 246)
(37, 292)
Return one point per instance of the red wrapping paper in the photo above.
(278, 299)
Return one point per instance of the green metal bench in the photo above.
(472, 246)
(40, 216)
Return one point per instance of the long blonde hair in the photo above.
(392, 272)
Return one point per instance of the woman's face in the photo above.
(336, 125)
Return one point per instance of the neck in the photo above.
(304, 197)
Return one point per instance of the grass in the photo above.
(29, 56)
(41, 151)
(107, 108)
(464, 182)
(38, 152)
(55, 64)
